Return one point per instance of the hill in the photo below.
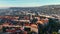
(47, 9)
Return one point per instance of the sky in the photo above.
(27, 3)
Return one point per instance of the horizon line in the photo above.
(27, 6)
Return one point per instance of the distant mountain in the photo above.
(47, 9)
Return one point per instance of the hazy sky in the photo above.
(27, 3)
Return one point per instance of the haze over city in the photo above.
(27, 3)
